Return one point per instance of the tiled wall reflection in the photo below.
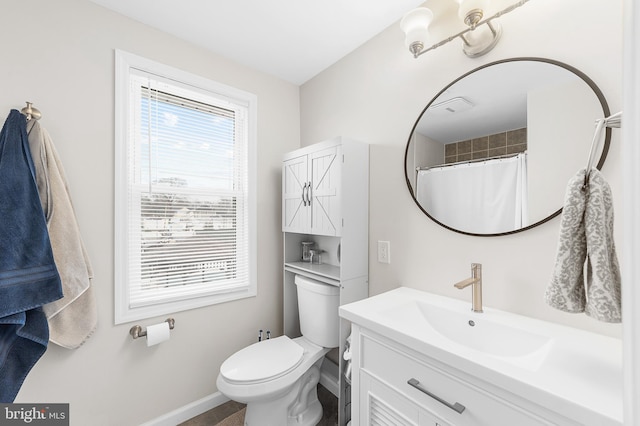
(511, 142)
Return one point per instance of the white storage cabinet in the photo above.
(311, 191)
(325, 199)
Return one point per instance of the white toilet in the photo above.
(277, 378)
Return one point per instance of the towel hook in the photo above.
(31, 112)
(614, 120)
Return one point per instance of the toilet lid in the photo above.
(263, 361)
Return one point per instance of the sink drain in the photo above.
(472, 323)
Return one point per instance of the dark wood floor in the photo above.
(212, 417)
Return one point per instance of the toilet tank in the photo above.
(318, 310)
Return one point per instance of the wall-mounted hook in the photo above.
(31, 112)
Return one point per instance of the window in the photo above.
(185, 190)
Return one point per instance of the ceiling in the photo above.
(290, 39)
(491, 100)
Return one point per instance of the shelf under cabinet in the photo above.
(325, 270)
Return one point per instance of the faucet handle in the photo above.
(476, 271)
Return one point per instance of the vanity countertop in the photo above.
(566, 369)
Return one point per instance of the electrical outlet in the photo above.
(384, 251)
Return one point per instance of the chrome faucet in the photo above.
(476, 290)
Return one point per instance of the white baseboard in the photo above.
(188, 411)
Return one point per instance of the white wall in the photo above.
(558, 142)
(60, 55)
(375, 95)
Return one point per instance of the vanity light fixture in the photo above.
(479, 37)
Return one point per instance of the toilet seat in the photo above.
(262, 361)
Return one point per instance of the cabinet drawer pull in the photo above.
(457, 407)
(309, 195)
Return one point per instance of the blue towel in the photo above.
(28, 274)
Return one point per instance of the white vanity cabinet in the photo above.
(325, 200)
(397, 387)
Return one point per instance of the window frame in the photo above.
(127, 64)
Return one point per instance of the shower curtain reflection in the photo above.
(485, 197)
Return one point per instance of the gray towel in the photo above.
(586, 235)
(73, 318)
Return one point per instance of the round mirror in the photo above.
(493, 152)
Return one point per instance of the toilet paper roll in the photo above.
(157, 333)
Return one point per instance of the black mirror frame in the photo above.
(603, 156)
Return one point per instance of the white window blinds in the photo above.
(187, 231)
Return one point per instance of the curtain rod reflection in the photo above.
(477, 160)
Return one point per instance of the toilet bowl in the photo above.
(272, 376)
(278, 378)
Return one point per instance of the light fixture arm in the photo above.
(488, 22)
(462, 33)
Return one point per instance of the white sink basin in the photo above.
(478, 331)
(452, 323)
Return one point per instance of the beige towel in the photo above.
(73, 318)
(586, 234)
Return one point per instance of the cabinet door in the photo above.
(383, 406)
(325, 178)
(295, 211)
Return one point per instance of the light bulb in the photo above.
(415, 25)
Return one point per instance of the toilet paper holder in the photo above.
(137, 331)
